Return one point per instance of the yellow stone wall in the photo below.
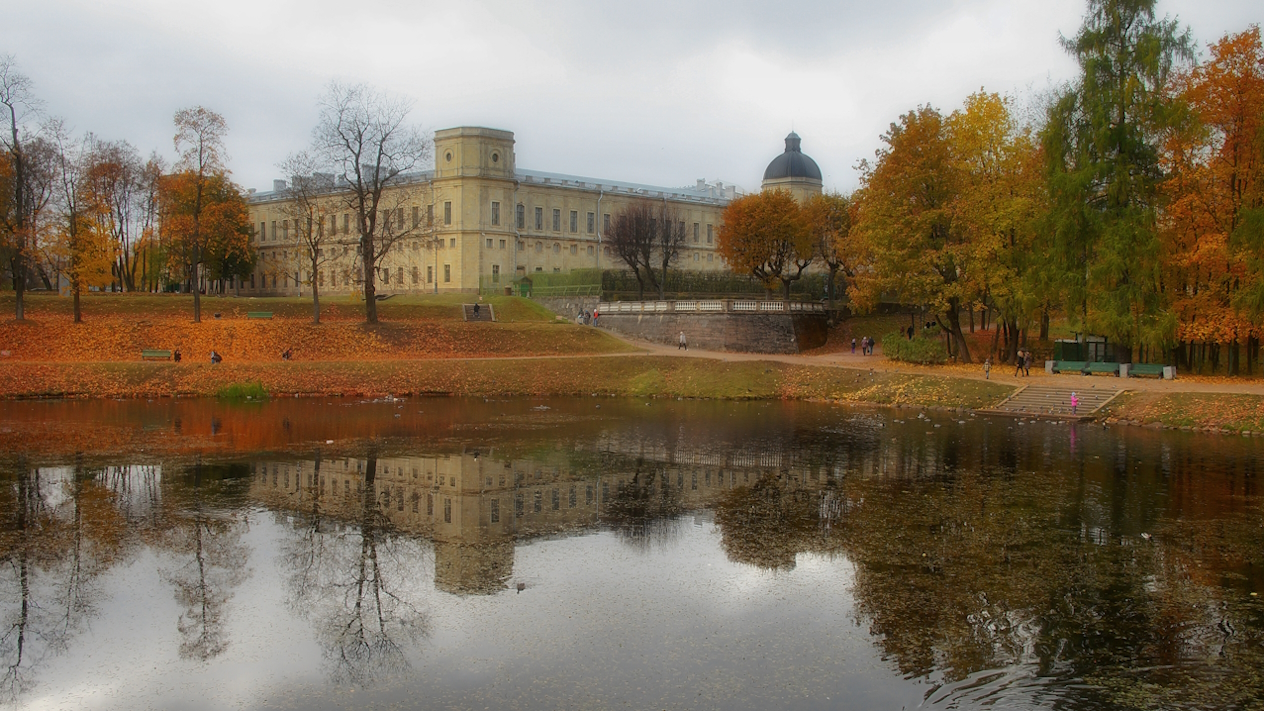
(475, 181)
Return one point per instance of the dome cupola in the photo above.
(794, 172)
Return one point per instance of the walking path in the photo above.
(1001, 373)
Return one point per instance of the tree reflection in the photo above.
(60, 533)
(356, 583)
(206, 542)
(768, 523)
(644, 510)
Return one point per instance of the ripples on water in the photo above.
(596, 553)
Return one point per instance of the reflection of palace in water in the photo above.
(474, 505)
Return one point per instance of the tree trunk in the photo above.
(370, 289)
(954, 323)
(19, 285)
(971, 318)
(315, 296)
(75, 295)
(197, 294)
(1044, 324)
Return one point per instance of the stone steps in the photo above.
(1054, 401)
(485, 312)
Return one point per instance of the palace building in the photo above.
(477, 221)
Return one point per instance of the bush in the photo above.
(923, 351)
(242, 391)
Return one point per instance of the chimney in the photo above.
(278, 186)
(702, 184)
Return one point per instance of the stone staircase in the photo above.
(1055, 401)
(485, 312)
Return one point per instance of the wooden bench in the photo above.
(1154, 369)
(259, 314)
(154, 354)
(1091, 368)
(1069, 366)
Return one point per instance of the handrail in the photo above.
(729, 306)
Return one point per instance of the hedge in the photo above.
(924, 351)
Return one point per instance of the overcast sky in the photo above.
(652, 92)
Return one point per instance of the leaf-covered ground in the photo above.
(1235, 412)
(622, 376)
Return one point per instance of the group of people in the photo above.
(1022, 364)
(587, 318)
(866, 346)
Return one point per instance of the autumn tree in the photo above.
(310, 205)
(363, 133)
(905, 217)
(205, 222)
(768, 236)
(669, 240)
(1214, 190)
(192, 219)
(999, 209)
(829, 217)
(1101, 147)
(81, 237)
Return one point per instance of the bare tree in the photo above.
(668, 242)
(311, 206)
(17, 208)
(117, 181)
(199, 140)
(363, 133)
(633, 235)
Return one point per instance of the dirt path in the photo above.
(1000, 373)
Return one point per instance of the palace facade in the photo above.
(476, 221)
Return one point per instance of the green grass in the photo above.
(242, 391)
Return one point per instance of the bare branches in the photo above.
(199, 140)
(363, 134)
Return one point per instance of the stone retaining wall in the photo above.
(736, 333)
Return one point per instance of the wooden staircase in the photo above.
(1052, 401)
(485, 312)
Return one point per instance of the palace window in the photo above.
(495, 273)
(447, 273)
(489, 242)
(605, 223)
(591, 250)
(495, 213)
(447, 213)
(263, 231)
(429, 275)
(399, 276)
(429, 215)
(452, 243)
(495, 511)
(557, 220)
(574, 249)
(539, 218)
(592, 222)
(520, 216)
(539, 246)
(502, 244)
(346, 223)
(274, 236)
(574, 221)
(557, 248)
(416, 217)
(710, 233)
(695, 233)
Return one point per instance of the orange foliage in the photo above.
(1216, 170)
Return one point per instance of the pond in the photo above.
(623, 554)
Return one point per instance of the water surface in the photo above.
(602, 553)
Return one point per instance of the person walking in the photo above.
(1027, 364)
(853, 346)
(1075, 402)
(1018, 363)
(987, 369)
(683, 344)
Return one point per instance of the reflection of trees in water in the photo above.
(960, 574)
(209, 562)
(768, 523)
(645, 510)
(356, 583)
(60, 534)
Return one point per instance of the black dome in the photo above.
(793, 163)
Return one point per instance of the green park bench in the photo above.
(154, 354)
(1091, 368)
(258, 314)
(1069, 366)
(1154, 369)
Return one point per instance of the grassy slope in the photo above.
(624, 376)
